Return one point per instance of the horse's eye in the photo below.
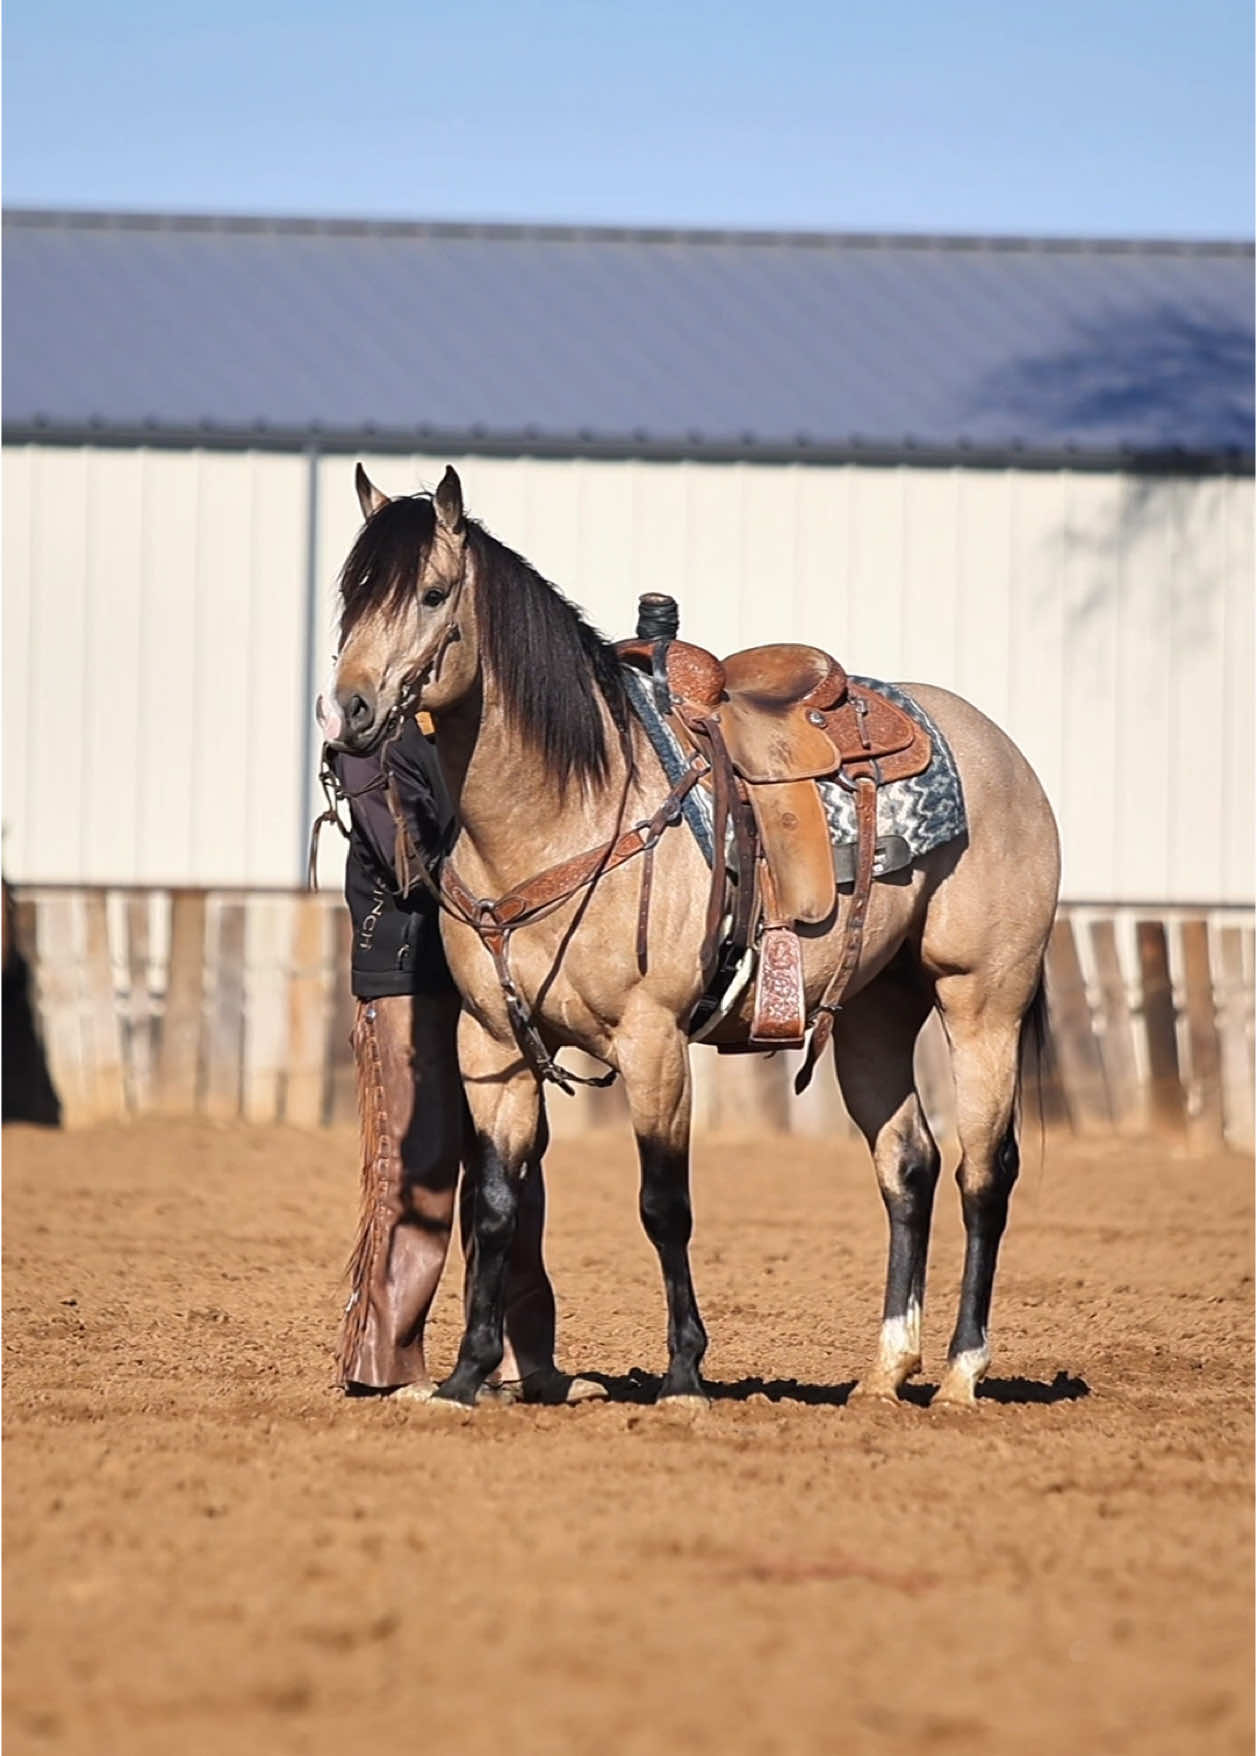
(433, 597)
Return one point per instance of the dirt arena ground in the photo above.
(207, 1550)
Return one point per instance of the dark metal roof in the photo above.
(140, 327)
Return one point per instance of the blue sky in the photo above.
(1112, 117)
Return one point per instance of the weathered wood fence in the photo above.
(232, 1005)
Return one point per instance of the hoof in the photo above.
(686, 1405)
(961, 1398)
(414, 1393)
(460, 1396)
(875, 1390)
(443, 1408)
(501, 1395)
(554, 1389)
(959, 1386)
(585, 1390)
(965, 1371)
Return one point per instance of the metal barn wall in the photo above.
(1105, 621)
(154, 679)
(157, 640)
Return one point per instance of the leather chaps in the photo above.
(414, 1134)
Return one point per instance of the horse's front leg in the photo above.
(654, 1061)
(505, 1104)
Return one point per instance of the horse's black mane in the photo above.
(549, 663)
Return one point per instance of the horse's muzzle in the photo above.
(350, 721)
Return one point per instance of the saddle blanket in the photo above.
(917, 814)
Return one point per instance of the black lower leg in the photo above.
(985, 1206)
(909, 1206)
(494, 1206)
(667, 1218)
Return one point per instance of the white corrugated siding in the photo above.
(154, 666)
(155, 641)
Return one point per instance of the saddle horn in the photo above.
(658, 620)
(657, 616)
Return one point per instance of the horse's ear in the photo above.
(369, 496)
(448, 501)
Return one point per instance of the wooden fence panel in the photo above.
(1043, 1101)
(342, 1094)
(1117, 1037)
(225, 1042)
(1166, 1104)
(139, 1022)
(1235, 1005)
(59, 946)
(1073, 1033)
(1204, 1086)
(308, 997)
(183, 1024)
(104, 1057)
(243, 1008)
(268, 937)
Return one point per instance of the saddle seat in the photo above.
(774, 713)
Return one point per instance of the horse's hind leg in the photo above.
(873, 1048)
(985, 1034)
(654, 1061)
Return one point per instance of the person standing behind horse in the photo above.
(413, 1116)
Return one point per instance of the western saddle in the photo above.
(772, 721)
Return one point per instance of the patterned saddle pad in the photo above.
(921, 813)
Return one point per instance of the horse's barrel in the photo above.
(657, 616)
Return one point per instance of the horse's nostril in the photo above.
(358, 712)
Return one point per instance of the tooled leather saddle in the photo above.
(773, 721)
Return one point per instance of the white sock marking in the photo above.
(901, 1336)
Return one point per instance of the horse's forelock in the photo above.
(382, 568)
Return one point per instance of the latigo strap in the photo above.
(830, 1003)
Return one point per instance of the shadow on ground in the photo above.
(638, 1386)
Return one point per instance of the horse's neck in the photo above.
(513, 818)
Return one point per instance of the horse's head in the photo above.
(406, 616)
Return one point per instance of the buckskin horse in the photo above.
(579, 910)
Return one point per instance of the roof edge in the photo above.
(108, 219)
(869, 452)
